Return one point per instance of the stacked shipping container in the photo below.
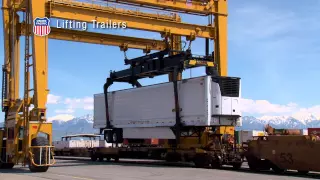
(244, 136)
(315, 131)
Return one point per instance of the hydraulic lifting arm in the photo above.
(217, 8)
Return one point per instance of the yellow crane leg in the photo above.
(220, 44)
(16, 58)
(38, 149)
(40, 62)
(134, 19)
(7, 55)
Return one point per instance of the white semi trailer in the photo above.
(193, 118)
(149, 112)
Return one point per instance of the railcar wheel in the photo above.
(6, 165)
(93, 158)
(202, 160)
(39, 141)
(303, 172)
(172, 157)
(237, 166)
(277, 170)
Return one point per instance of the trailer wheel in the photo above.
(108, 136)
(101, 159)
(117, 136)
(39, 141)
(116, 159)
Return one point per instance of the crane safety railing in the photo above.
(45, 153)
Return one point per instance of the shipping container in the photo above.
(245, 136)
(314, 131)
(149, 112)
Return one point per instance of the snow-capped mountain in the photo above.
(84, 124)
(288, 122)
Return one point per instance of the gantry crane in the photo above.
(26, 137)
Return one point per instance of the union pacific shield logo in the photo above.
(41, 26)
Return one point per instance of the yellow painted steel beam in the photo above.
(6, 38)
(11, 50)
(221, 42)
(40, 60)
(198, 7)
(16, 57)
(134, 19)
(123, 42)
(20, 4)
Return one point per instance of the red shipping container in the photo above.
(314, 131)
(155, 141)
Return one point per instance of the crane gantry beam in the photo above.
(134, 19)
(197, 7)
(124, 42)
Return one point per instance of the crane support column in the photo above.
(16, 57)
(40, 62)
(221, 40)
(6, 95)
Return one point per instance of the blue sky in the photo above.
(273, 46)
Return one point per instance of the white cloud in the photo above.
(85, 103)
(61, 117)
(304, 112)
(63, 111)
(53, 99)
(266, 108)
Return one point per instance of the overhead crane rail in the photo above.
(87, 12)
(124, 42)
(196, 7)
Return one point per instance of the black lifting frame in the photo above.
(156, 64)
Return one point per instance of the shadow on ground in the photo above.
(87, 162)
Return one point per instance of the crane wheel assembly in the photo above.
(39, 155)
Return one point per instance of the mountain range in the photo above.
(84, 124)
